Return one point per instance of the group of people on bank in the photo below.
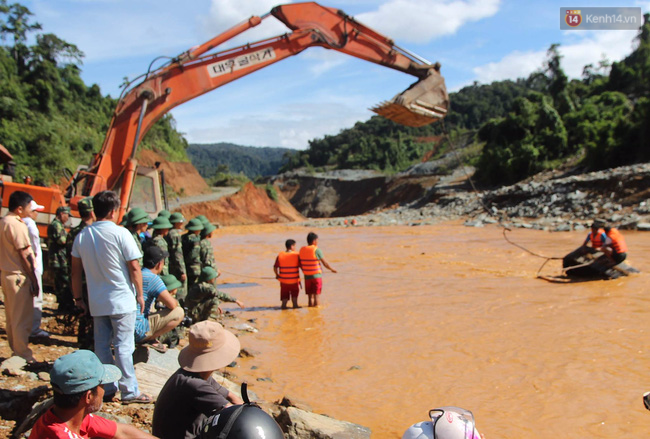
(115, 276)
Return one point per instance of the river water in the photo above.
(420, 317)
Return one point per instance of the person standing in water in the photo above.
(311, 258)
(287, 271)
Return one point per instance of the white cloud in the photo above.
(589, 48)
(420, 21)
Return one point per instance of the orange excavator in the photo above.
(147, 98)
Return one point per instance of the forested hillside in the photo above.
(49, 118)
(523, 127)
(251, 161)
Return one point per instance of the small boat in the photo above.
(588, 263)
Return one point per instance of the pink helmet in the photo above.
(446, 423)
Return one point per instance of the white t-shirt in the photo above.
(104, 249)
(35, 239)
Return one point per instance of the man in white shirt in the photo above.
(109, 257)
(35, 240)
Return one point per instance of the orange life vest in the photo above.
(618, 243)
(308, 261)
(288, 263)
(596, 241)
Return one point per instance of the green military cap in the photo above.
(85, 206)
(176, 217)
(194, 224)
(137, 215)
(171, 282)
(162, 223)
(62, 209)
(202, 218)
(164, 213)
(207, 228)
(207, 274)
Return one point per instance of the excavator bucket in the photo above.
(424, 102)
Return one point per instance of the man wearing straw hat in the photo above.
(191, 393)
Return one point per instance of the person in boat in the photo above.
(596, 237)
(615, 247)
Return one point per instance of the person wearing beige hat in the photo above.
(191, 394)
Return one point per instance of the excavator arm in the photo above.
(193, 73)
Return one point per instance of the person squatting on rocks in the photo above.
(176, 259)
(287, 271)
(78, 381)
(109, 256)
(446, 423)
(149, 326)
(204, 298)
(192, 251)
(18, 277)
(161, 227)
(311, 258)
(191, 394)
(58, 259)
(35, 240)
(85, 329)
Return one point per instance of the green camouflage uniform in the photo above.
(177, 261)
(160, 242)
(202, 299)
(58, 261)
(207, 254)
(137, 241)
(192, 255)
(85, 336)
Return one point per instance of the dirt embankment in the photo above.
(183, 178)
(251, 205)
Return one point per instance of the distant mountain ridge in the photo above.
(252, 161)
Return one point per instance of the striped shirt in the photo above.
(152, 286)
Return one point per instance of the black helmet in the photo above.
(245, 421)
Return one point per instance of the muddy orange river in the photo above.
(420, 317)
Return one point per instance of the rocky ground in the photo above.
(556, 201)
(25, 389)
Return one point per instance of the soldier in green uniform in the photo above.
(165, 213)
(137, 222)
(206, 250)
(204, 298)
(192, 250)
(58, 259)
(176, 259)
(161, 227)
(85, 334)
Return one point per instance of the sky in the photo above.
(320, 92)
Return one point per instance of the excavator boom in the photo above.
(195, 72)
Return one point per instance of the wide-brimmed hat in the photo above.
(171, 282)
(137, 215)
(194, 224)
(161, 223)
(211, 347)
(81, 371)
(176, 217)
(207, 229)
(207, 274)
(165, 213)
(202, 218)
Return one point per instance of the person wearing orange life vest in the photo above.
(287, 271)
(311, 258)
(615, 248)
(597, 236)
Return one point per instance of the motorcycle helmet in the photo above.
(446, 423)
(245, 421)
